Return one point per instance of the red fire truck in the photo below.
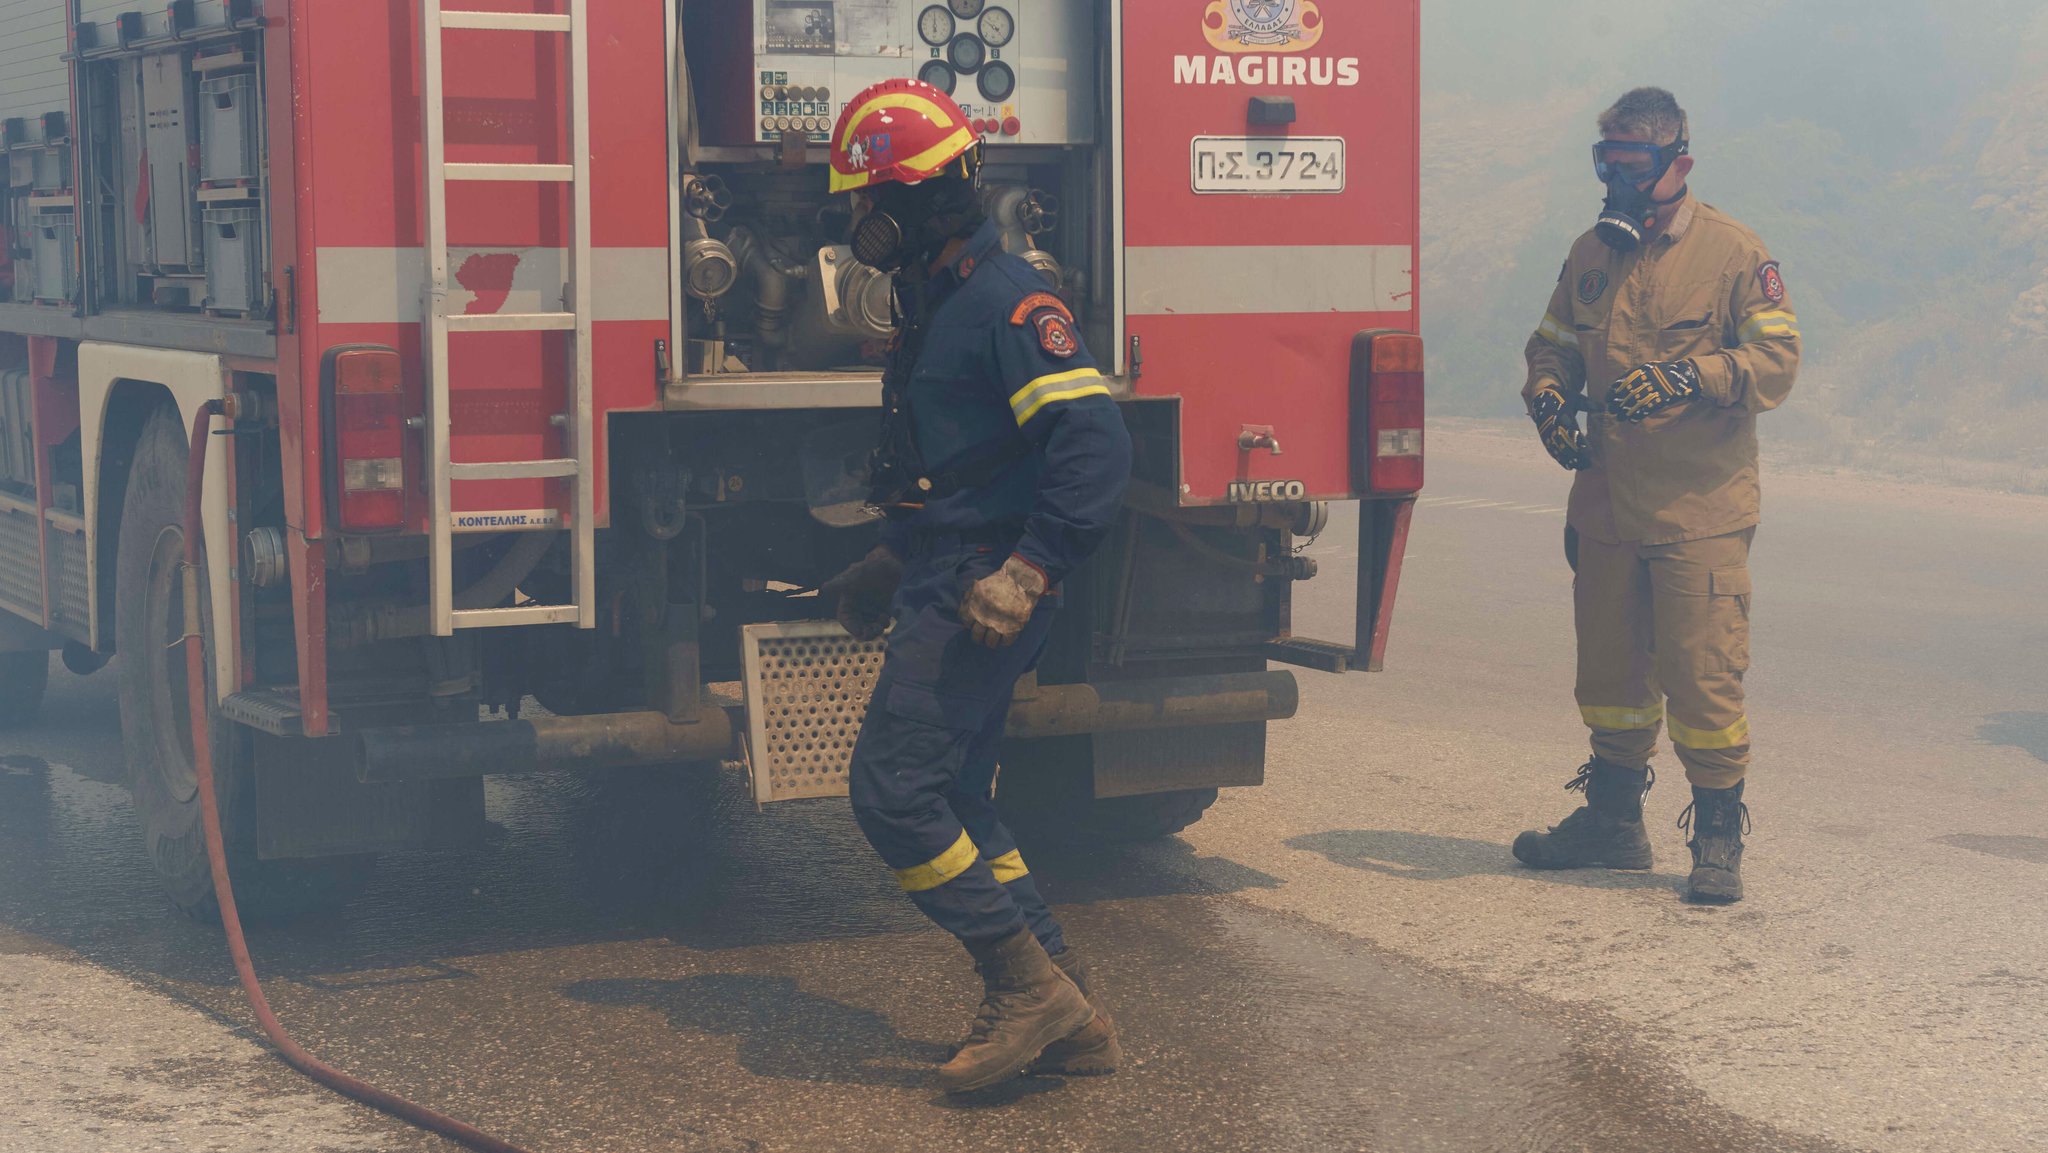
(546, 375)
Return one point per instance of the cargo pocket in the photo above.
(1729, 588)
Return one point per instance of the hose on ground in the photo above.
(216, 847)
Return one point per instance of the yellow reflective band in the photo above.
(1692, 738)
(1556, 333)
(1009, 867)
(1763, 324)
(841, 182)
(890, 100)
(939, 869)
(1621, 717)
(1026, 401)
(941, 152)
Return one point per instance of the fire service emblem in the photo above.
(1263, 25)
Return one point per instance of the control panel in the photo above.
(1023, 70)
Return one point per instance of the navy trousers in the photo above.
(924, 767)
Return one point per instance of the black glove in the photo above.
(1557, 422)
(863, 593)
(1653, 388)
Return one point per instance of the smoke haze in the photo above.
(1893, 156)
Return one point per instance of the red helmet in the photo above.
(904, 131)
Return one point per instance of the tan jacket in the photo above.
(1705, 290)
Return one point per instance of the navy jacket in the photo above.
(1002, 358)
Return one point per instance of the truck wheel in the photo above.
(156, 730)
(23, 679)
(1146, 817)
(1046, 789)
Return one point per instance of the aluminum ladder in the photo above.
(578, 423)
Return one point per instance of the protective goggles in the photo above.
(1635, 161)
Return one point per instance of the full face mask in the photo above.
(1631, 170)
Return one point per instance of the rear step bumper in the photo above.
(612, 740)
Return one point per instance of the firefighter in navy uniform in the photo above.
(1003, 462)
(1670, 324)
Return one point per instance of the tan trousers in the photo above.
(1662, 623)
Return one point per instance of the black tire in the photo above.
(1147, 817)
(1047, 791)
(23, 679)
(156, 723)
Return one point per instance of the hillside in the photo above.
(1896, 161)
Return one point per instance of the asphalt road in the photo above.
(1346, 958)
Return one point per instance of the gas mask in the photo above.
(907, 225)
(1631, 170)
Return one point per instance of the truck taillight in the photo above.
(367, 427)
(1386, 412)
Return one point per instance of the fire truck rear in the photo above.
(547, 382)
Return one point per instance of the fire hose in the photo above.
(216, 848)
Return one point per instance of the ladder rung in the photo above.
(517, 615)
(505, 21)
(544, 173)
(509, 469)
(511, 321)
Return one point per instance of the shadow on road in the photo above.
(2027, 732)
(783, 1032)
(1422, 857)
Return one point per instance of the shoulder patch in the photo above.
(1055, 333)
(1771, 281)
(1036, 301)
(1592, 284)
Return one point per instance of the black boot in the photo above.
(1028, 1004)
(1607, 833)
(1717, 818)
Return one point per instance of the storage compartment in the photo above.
(17, 441)
(228, 132)
(53, 239)
(234, 260)
(168, 146)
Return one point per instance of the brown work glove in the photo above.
(863, 593)
(998, 605)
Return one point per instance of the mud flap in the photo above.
(310, 803)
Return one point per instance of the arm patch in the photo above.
(1037, 301)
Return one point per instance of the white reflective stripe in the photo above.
(1763, 324)
(1253, 279)
(1557, 333)
(382, 285)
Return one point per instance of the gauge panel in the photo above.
(939, 75)
(997, 27)
(935, 25)
(966, 53)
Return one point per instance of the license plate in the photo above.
(1267, 165)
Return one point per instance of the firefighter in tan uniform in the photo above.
(1670, 328)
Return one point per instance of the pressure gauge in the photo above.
(997, 26)
(997, 82)
(935, 24)
(966, 53)
(967, 9)
(939, 75)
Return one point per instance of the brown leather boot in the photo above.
(1028, 1004)
(1095, 1050)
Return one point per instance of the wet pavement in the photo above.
(762, 988)
(1342, 960)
